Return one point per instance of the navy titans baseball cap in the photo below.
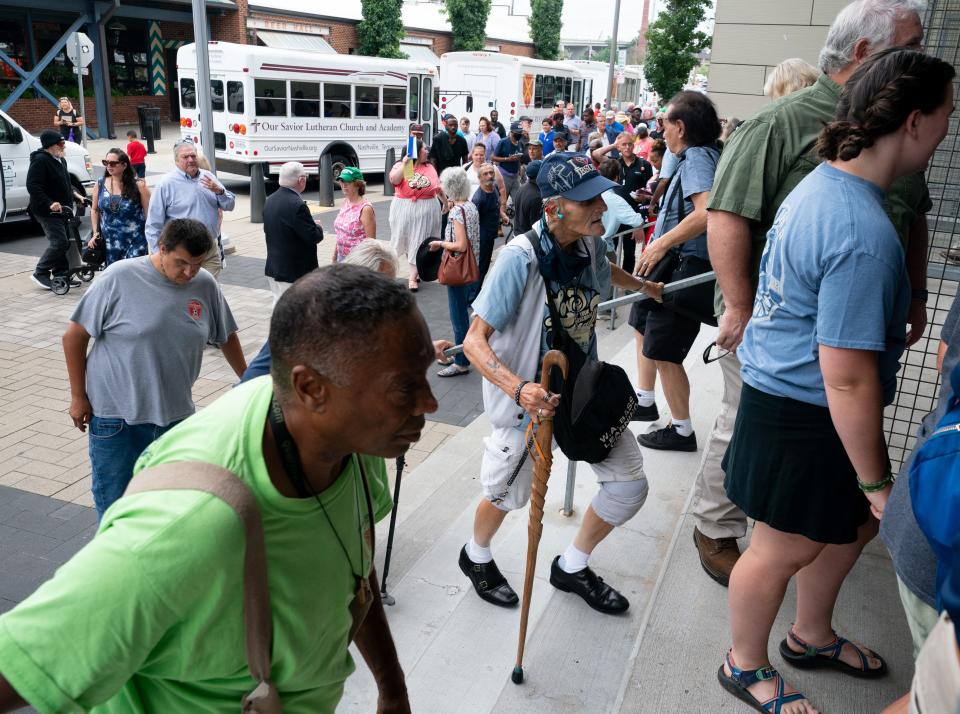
(572, 176)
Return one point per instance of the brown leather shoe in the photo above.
(717, 556)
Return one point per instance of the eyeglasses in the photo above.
(111, 164)
(710, 356)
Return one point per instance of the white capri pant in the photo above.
(623, 484)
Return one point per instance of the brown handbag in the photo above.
(459, 268)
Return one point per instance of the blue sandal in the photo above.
(829, 656)
(739, 679)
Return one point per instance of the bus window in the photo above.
(549, 90)
(414, 98)
(305, 99)
(270, 97)
(538, 92)
(567, 89)
(216, 95)
(426, 101)
(336, 100)
(188, 93)
(577, 94)
(366, 101)
(235, 97)
(394, 102)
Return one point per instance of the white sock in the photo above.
(683, 427)
(478, 554)
(646, 397)
(573, 560)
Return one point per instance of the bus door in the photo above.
(426, 108)
(577, 95)
(3, 188)
(587, 94)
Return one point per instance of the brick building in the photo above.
(139, 40)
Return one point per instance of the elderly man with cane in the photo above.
(562, 258)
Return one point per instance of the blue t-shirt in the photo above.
(505, 147)
(832, 273)
(499, 301)
(694, 174)
(546, 139)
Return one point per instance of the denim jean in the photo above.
(114, 447)
(458, 299)
(54, 258)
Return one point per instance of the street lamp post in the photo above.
(613, 53)
(201, 38)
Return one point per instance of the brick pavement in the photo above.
(40, 450)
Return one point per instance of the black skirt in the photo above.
(786, 467)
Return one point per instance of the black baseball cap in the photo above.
(516, 128)
(561, 132)
(49, 137)
(572, 176)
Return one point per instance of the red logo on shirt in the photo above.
(193, 309)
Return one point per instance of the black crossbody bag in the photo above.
(597, 400)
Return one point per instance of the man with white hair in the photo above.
(292, 234)
(189, 192)
(763, 161)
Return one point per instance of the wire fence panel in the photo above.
(919, 381)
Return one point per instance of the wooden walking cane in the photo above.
(542, 455)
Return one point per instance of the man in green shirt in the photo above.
(149, 616)
(765, 159)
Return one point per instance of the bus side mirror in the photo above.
(469, 104)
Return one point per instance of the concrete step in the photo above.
(660, 656)
(458, 651)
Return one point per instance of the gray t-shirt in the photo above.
(694, 175)
(149, 334)
(912, 557)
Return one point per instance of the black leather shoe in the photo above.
(488, 581)
(667, 439)
(650, 413)
(590, 587)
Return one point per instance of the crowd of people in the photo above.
(812, 214)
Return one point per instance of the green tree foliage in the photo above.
(381, 29)
(544, 24)
(673, 43)
(468, 21)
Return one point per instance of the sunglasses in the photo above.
(710, 356)
(111, 164)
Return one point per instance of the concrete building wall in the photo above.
(751, 38)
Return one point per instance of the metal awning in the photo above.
(295, 41)
(420, 53)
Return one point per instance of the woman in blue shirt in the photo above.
(546, 137)
(665, 334)
(820, 355)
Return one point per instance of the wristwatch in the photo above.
(921, 295)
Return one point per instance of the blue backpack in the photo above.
(935, 485)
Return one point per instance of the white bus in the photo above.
(514, 86)
(272, 105)
(630, 90)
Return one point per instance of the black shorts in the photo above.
(667, 335)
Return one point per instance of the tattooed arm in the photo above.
(476, 346)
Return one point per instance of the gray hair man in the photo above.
(190, 192)
(291, 232)
(747, 191)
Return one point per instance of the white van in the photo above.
(16, 145)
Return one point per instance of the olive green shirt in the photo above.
(770, 153)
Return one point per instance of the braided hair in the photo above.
(878, 98)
